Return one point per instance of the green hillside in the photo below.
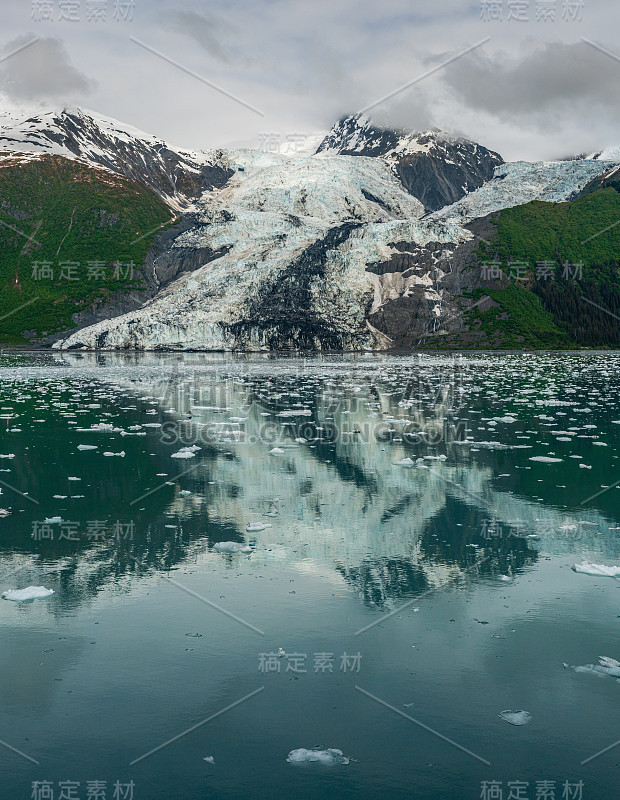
(566, 254)
(69, 235)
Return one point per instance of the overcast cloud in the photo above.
(534, 90)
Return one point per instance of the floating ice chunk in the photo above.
(29, 593)
(87, 447)
(516, 717)
(185, 453)
(329, 756)
(74, 479)
(585, 466)
(53, 520)
(599, 570)
(4, 512)
(606, 666)
(109, 455)
(231, 547)
(8, 455)
(404, 462)
(257, 527)
(184, 492)
(546, 459)
(276, 451)
(209, 759)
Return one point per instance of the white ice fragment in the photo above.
(516, 717)
(209, 759)
(29, 593)
(606, 666)
(8, 455)
(599, 570)
(329, 756)
(87, 447)
(121, 454)
(53, 520)
(231, 547)
(257, 527)
(185, 453)
(404, 462)
(276, 451)
(546, 459)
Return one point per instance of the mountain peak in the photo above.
(357, 134)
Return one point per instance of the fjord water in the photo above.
(446, 580)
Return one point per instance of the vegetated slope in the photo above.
(70, 235)
(559, 283)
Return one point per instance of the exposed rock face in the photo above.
(436, 168)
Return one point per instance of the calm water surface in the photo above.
(390, 610)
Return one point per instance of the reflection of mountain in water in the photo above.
(390, 531)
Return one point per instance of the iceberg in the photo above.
(329, 756)
(231, 547)
(546, 459)
(257, 527)
(599, 570)
(29, 593)
(516, 717)
(87, 447)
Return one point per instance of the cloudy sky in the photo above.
(205, 74)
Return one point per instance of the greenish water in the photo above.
(447, 582)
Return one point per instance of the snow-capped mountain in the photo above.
(361, 245)
(177, 175)
(433, 166)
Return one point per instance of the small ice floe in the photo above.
(111, 455)
(504, 578)
(585, 466)
(276, 451)
(231, 547)
(546, 459)
(52, 520)
(60, 496)
(186, 452)
(257, 527)
(4, 512)
(8, 455)
(87, 447)
(184, 492)
(516, 717)
(405, 462)
(598, 570)
(281, 652)
(606, 666)
(329, 756)
(209, 759)
(29, 593)
(74, 479)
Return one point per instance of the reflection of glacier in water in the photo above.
(313, 445)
